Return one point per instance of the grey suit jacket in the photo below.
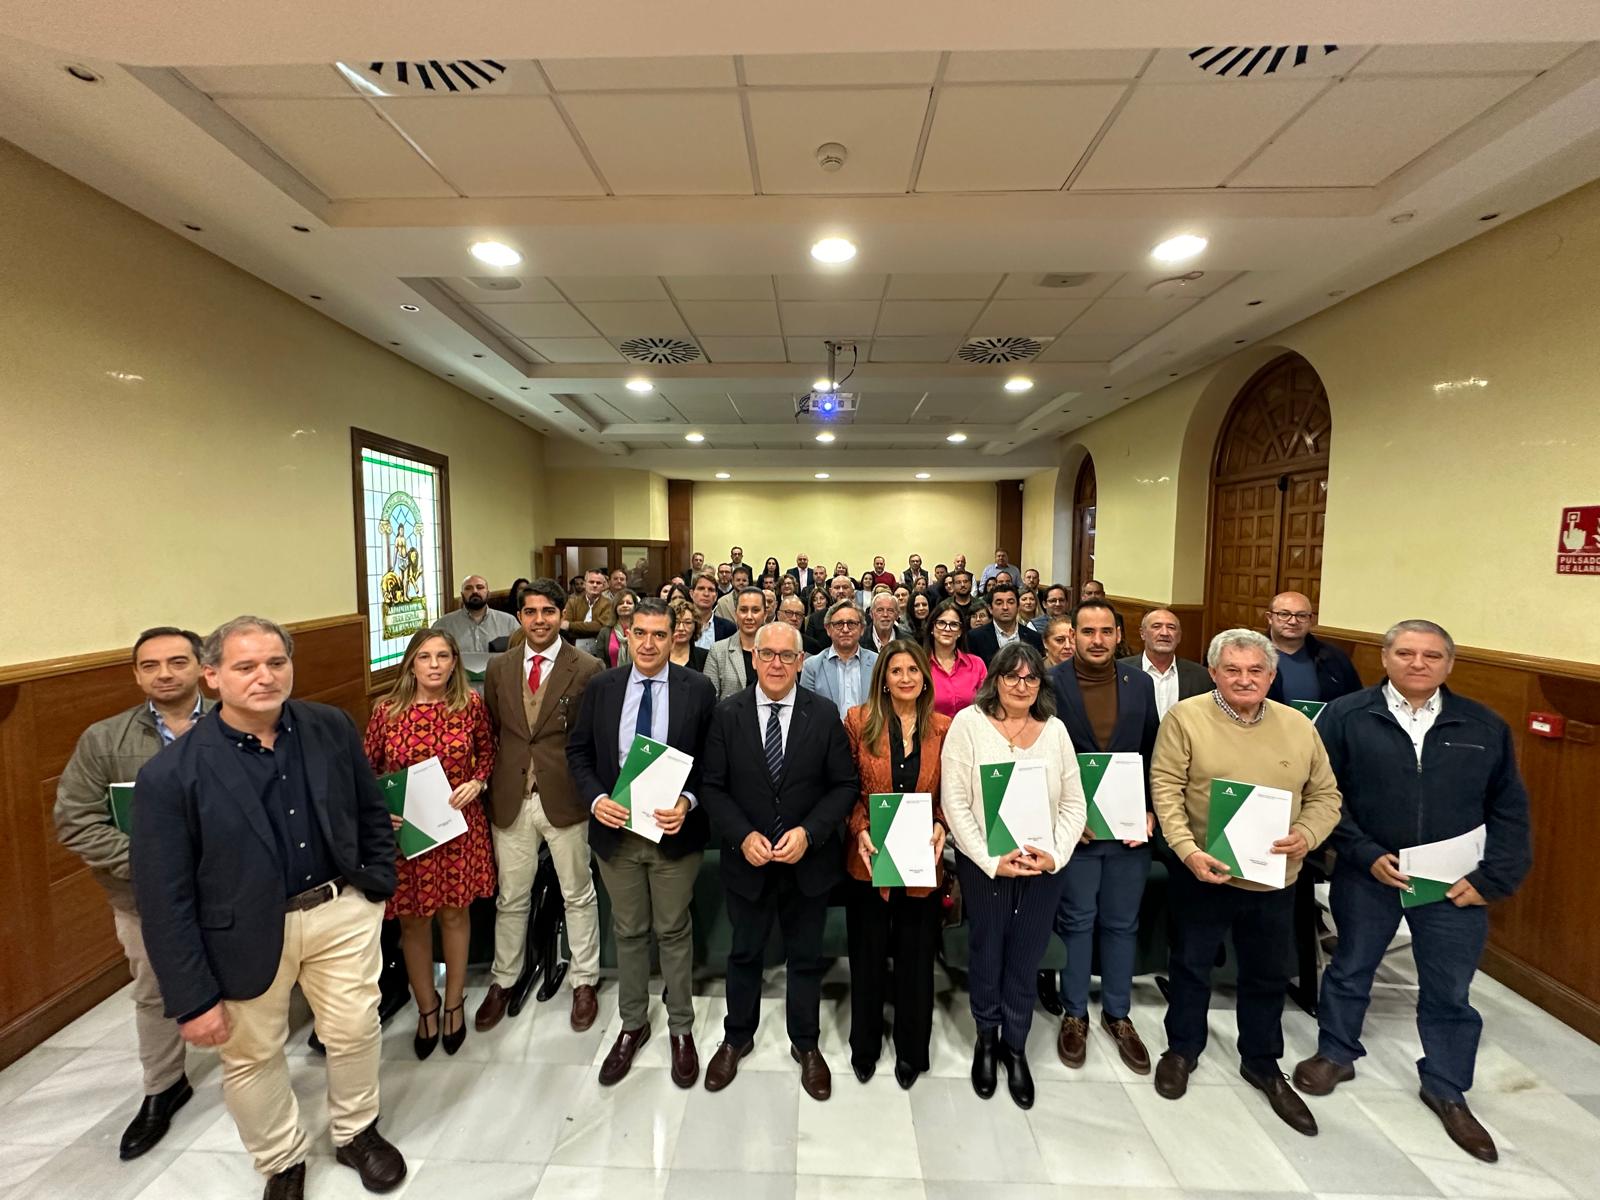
(725, 667)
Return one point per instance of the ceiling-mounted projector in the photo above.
(825, 405)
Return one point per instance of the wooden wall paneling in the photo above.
(1008, 520)
(680, 526)
(1190, 616)
(56, 935)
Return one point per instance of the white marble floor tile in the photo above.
(69, 1101)
(634, 1124)
(116, 1009)
(32, 1068)
(512, 1113)
(1350, 1151)
(846, 1187)
(748, 1127)
(962, 1137)
(862, 1129)
(17, 1162)
(1210, 1139)
(1091, 1134)
(1558, 1133)
(728, 1185)
(203, 1173)
(600, 1183)
(443, 1179)
(539, 1033)
(188, 1124)
(81, 1172)
(1591, 1102)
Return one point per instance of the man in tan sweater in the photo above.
(1236, 733)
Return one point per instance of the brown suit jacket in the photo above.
(872, 764)
(544, 747)
(577, 608)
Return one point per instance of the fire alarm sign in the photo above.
(1578, 543)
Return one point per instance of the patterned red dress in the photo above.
(461, 870)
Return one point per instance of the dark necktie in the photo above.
(774, 747)
(646, 720)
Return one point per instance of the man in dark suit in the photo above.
(650, 884)
(1308, 668)
(713, 628)
(804, 577)
(913, 572)
(262, 855)
(1003, 627)
(778, 781)
(1174, 678)
(1108, 708)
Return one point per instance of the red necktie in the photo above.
(535, 673)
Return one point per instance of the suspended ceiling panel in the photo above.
(1022, 138)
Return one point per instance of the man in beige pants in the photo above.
(166, 666)
(533, 691)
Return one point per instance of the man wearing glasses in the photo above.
(843, 671)
(1308, 669)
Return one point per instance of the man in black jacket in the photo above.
(778, 781)
(1309, 669)
(650, 884)
(985, 640)
(1172, 677)
(1417, 763)
(262, 856)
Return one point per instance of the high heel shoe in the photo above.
(421, 1044)
(452, 1041)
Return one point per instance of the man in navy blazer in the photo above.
(779, 781)
(985, 640)
(262, 856)
(650, 884)
(1108, 707)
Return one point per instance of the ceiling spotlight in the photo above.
(824, 437)
(820, 475)
(923, 475)
(409, 308)
(1019, 383)
(823, 385)
(956, 437)
(495, 254)
(1176, 249)
(640, 385)
(696, 438)
(833, 250)
(723, 475)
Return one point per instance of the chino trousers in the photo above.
(516, 852)
(1445, 940)
(161, 1052)
(1104, 889)
(906, 929)
(1009, 921)
(649, 891)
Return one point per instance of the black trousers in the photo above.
(1009, 922)
(906, 929)
(1262, 925)
(801, 919)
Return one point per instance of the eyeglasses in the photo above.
(787, 657)
(847, 623)
(948, 626)
(1284, 614)
(1020, 681)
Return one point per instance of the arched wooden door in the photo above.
(1083, 512)
(1269, 494)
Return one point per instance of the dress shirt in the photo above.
(1002, 638)
(277, 778)
(473, 637)
(1415, 721)
(847, 678)
(167, 736)
(764, 706)
(708, 635)
(1166, 682)
(992, 570)
(548, 654)
(632, 697)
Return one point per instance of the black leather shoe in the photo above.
(1019, 1080)
(287, 1185)
(1050, 994)
(983, 1062)
(379, 1164)
(1285, 1101)
(864, 1071)
(905, 1074)
(1172, 1075)
(150, 1123)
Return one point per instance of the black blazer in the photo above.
(724, 628)
(817, 791)
(205, 861)
(592, 750)
(1193, 679)
(1137, 722)
(985, 642)
(1336, 674)
(806, 583)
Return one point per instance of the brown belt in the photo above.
(312, 897)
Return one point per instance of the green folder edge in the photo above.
(998, 839)
(884, 871)
(119, 797)
(631, 767)
(1092, 769)
(1311, 709)
(1218, 845)
(411, 840)
(1424, 891)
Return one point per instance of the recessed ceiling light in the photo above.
(696, 438)
(823, 385)
(824, 436)
(723, 475)
(1019, 383)
(394, 343)
(314, 296)
(955, 437)
(495, 254)
(923, 475)
(1176, 249)
(821, 475)
(641, 385)
(1251, 303)
(477, 356)
(1489, 216)
(833, 250)
(409, 308)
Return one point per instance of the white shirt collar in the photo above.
(1149, 666)
(1399, 702)
(785, 701)
(636, 676)
(548, 653)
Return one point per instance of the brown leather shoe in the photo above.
(685, 1060)
(621, 1057)
(492, 1009)
(1072, 1041)
(1172, 1075)
(1317, 1076)
(1463, 1128)
(585, 1006)
(379, 1164)
(1134, 1056)
(814, 1074)
(724, 1065)
(1285, 1101)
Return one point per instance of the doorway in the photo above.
(1083, 524)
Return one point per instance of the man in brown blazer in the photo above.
(532, 691)
(588, 612)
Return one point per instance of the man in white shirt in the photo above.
(843, 671)
(1174, 678)
(474, 625)
(1004, 628)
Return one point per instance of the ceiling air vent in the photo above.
(660, 350)
(1064, 279)
(999, 350)
(1241, 61)
(435, 75)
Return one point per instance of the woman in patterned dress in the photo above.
(430, 712)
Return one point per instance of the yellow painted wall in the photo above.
(175, 434)
(1038, 525)
(852, 522)
(604, 503)
(1443, 499)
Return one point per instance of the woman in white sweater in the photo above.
(1010, 898)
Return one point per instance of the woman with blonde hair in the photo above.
(686, 628)
(431, 713)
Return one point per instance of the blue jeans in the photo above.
(1105, 886)
(1445, 940)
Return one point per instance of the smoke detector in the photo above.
(831, 156)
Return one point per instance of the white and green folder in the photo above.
(1016, 806)
(1435, 867)
(1114, 786)
(1245, 820)
(420, 796)
(1311, 708)
(901, 827)
(652, 777)
(119, 798)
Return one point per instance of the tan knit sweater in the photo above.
(1199, 742)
